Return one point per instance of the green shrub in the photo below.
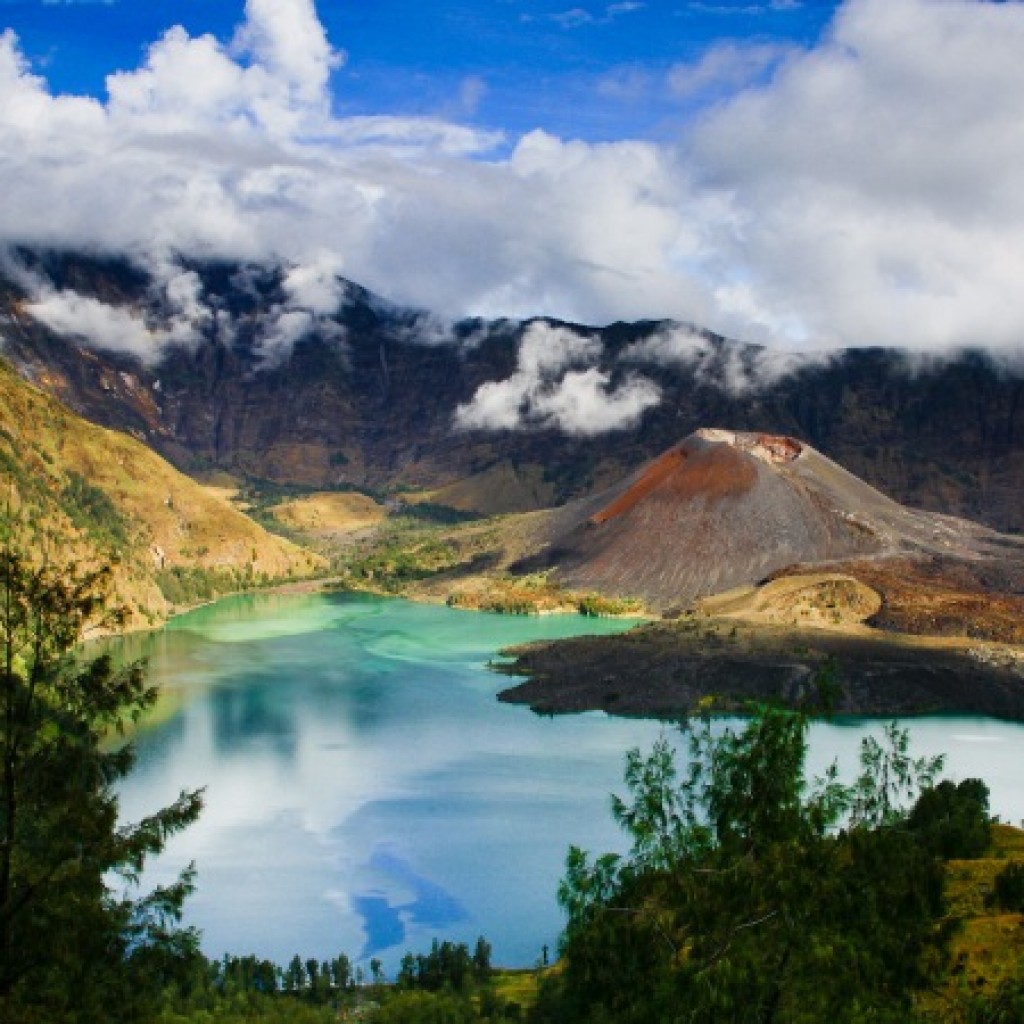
(92, 511)
(1009, 889)
(952, 820)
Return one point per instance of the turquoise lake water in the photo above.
(365, 791)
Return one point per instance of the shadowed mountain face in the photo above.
(724, 509)
(246, 378)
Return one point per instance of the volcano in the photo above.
(724, 509)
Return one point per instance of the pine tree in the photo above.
(71, 948)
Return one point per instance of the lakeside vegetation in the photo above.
(751, 893)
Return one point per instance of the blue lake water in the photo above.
(365, 791)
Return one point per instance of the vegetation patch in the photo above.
(186, 585)
(91, 510)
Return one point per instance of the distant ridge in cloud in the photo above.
(861, 192)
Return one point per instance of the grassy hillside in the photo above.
(96, 495)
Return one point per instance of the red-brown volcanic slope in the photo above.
(725, 509)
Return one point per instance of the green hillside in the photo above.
(97, 495)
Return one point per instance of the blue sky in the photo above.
(803, 174)
(595, 71)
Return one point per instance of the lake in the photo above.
(365, 791)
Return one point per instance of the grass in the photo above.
(987, 944)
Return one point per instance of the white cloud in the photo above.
(317, 286)
(677, 345)
(472, 91)
(733, 367)
(725, 67)
(176, 314)
(553, 387)
(585, 403)
(865, 192)
(279, 332)
(94, 323)
(872, 187)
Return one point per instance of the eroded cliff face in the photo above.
(366, 394)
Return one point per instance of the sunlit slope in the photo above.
(101, 496)
(330, 514)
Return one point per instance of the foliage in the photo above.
(448, 984)
(192, 584)
(71, 948)
(751, 893)
(1003, 1005)
(432, 512)
(952, 820)
(448, 966)
(596, 605)
(1008, 891)
(91, 510)
(400, 559)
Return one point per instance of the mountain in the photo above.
(724, 509)
(97, 496)
(259, 371)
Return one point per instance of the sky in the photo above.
(591, 71)
(798, 173)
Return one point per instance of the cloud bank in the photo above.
(860, 192)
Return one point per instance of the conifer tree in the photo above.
(72, 947)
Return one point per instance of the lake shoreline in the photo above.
(669, 670)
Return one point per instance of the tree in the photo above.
(71, 948)
(751, 893)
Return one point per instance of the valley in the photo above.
(511, 512)
(360, 450)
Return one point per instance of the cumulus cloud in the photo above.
(863, 191)
(555, 388)
(173, 310)
(873, 192)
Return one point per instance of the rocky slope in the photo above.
(725, 509)
(232, 366)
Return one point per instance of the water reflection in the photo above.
(429, 904)
(366, 792)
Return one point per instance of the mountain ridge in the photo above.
(368, 396)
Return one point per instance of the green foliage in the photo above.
(72, 948)
(432, 512)
(890, 778)
(1002, 1005)
(192, 584)
(448, 966)
(448, 984)
(425, 1008)
(952, 820)
(1008, 893)
(91, 510)
(751, 893)
(400, 559)
(596, 605)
